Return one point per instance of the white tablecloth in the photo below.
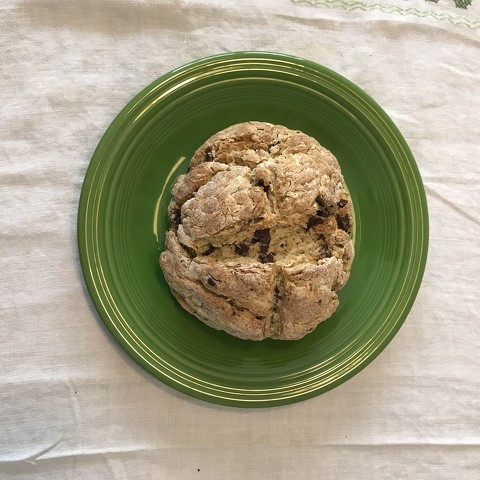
(72, 404)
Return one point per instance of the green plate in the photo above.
(123, 210)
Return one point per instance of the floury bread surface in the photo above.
(260, 237)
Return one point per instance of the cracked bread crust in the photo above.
(260, 240)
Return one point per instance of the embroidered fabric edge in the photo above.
(358, 5)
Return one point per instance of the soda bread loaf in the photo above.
(260, 237)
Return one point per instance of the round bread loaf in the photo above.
(260, 237)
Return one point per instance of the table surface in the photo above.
(72, 403)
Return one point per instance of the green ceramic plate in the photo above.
(123, 210)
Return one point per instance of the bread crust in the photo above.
(260, 240)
